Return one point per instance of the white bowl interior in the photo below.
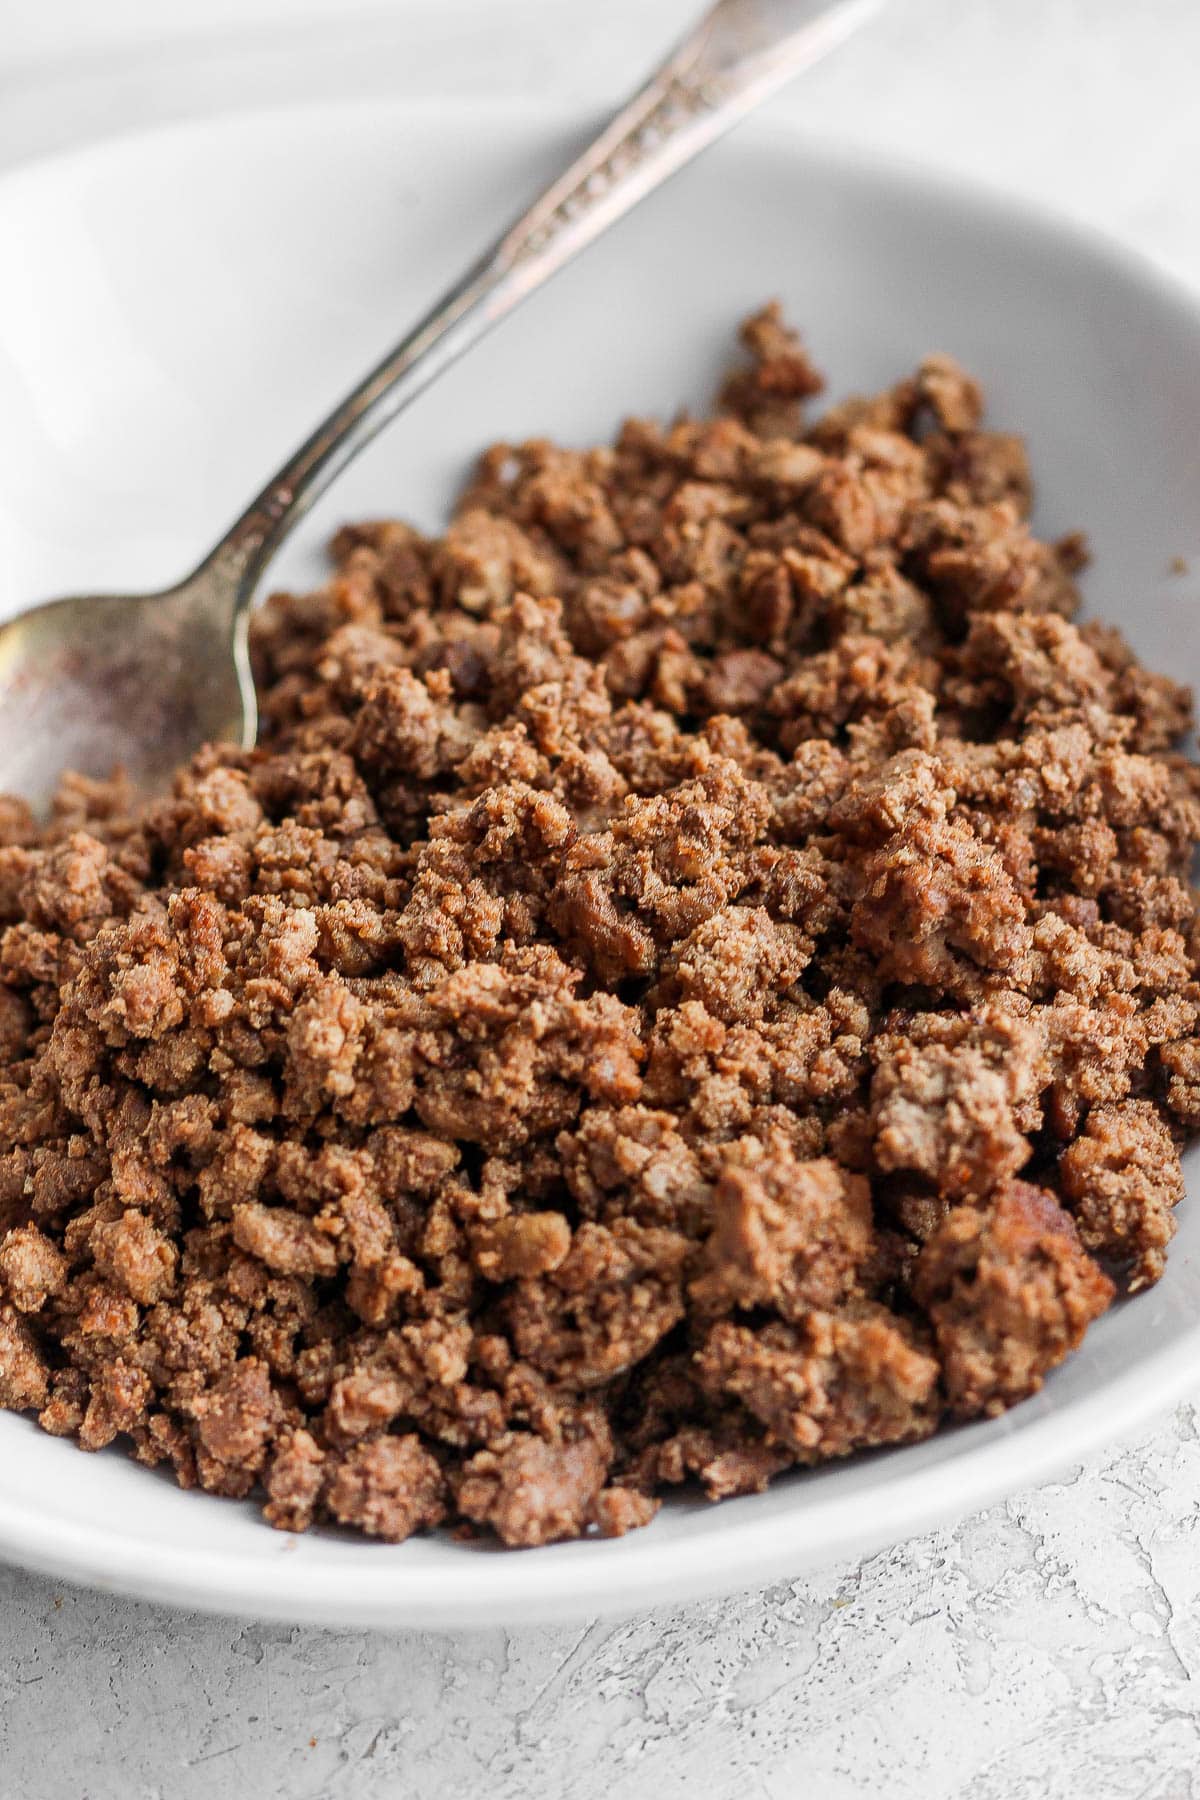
(176, 311)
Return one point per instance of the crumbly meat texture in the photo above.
(698, 977)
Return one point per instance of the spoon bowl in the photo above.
(123, 682)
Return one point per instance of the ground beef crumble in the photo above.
(699, 977)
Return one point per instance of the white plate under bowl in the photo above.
(177, 309)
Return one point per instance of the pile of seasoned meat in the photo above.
(699, 977)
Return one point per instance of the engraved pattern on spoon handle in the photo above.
(741, 51)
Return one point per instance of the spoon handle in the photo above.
(738, 54)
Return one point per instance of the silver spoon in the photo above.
(143, 680)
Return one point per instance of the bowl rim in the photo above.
(735, 1551)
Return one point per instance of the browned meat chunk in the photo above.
(787, 1234)
(1122, 1179)
(831, 1383)
(1009, 1292)
(533, 1492)
(389, 1488)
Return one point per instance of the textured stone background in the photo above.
(1044, 1650)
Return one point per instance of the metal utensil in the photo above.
(142, 680)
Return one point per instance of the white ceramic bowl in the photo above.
(178, 308)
